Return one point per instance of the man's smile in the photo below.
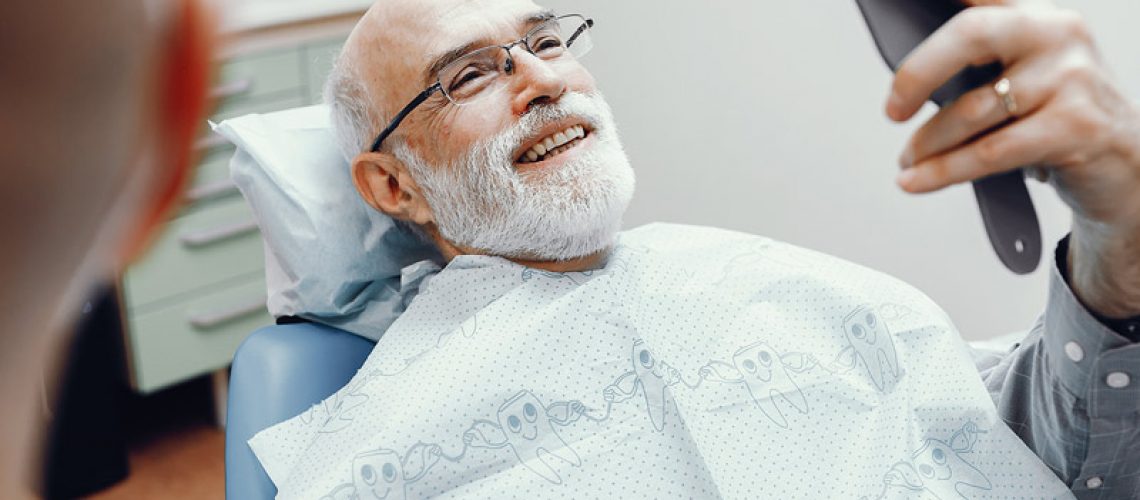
(552, 141)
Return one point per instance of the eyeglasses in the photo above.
(476, 74)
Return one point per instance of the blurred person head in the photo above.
(101, 101)
(493, 174)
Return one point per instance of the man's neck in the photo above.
(589, 262)
(595, 260)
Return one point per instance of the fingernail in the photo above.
(906, 178)
(894, 103)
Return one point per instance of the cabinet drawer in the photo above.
(258, 76)
(195, 336)
(214, 242)
(211, 179)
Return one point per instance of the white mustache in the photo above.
(575, 105)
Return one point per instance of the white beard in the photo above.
(480, 202)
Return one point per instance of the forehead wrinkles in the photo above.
(400, 38)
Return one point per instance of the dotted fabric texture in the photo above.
(698, 363)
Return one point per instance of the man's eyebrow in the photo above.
(538, 17)
(527, 21)
(449, 57)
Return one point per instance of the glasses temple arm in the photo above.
(403, 114)
(587, 25)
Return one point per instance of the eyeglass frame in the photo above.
(508, 69)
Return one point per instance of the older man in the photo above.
(552, 355)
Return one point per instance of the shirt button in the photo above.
(1074, 352)
(1094, 482)
(1118, 380)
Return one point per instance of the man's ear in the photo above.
(385, 184)
(181, 77)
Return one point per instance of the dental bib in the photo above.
(698, 363)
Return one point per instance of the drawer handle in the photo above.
(232, 89)
(210, 236)
(209, 142)
(215, 189)
(210, 320)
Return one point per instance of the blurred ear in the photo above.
(385, 184)
(182, 70)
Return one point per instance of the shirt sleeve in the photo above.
(1071, 391)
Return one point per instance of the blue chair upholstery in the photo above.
(278, 372)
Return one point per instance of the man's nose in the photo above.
(534, 81)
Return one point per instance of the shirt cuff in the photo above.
(1128, 327)
(1089, 359)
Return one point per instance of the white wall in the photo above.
(766, 117)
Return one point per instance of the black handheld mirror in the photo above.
(898, 26)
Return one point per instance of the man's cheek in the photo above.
(581, 80)
(478, 126)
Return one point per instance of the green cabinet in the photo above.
(200, 289)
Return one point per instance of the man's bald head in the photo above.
(71, 112)
(385, 60)
(483, 175)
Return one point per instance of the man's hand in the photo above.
(1070, 117)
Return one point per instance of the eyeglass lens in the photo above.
(473, 75)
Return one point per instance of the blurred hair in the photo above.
(76, 81)
(73, 83)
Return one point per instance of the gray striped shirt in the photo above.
(1071, 390)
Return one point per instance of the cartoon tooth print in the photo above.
(938, 469)
(653, 377)
(379, 474)
(337, 412)
(763, 372)
(530, 434)
(873, 345)
(382, 474)
(525, 426)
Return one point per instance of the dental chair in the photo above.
(278, 372)
(327, 256)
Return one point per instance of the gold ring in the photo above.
(1005, 92)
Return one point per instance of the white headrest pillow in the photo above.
(329, 257)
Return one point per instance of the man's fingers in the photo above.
(1021, 143)
(975, 36)
(975, 112)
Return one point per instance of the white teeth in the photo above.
(553, 142)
